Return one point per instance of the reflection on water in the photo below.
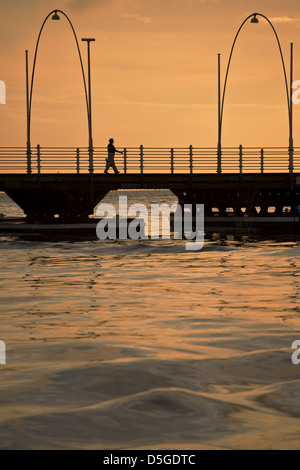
(116, 344)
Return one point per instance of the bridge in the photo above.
(193, 160)
(60, 184)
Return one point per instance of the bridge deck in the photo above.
(149, 180)
(69, 182)
(77, 195)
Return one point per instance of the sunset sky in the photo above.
(154, 72)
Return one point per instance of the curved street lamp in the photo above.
(56, 17)
(254, 20)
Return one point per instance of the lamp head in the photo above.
(254, 19)
(55, 16)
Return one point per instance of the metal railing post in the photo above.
(261, 160)
(291, 157)
(125, 161)
(241, 158)
(28, 154)
(219, 159)
(39, 159)
(91, 160)
(78, 160)
(191, 159)
(142, 159)
(172, 161)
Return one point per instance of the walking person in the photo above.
(110, 161)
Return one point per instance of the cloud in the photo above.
(284, 19)
(135, 16)
(83, 5)
(118, 101)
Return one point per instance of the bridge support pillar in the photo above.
(46, 205)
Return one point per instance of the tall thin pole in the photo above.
(28, 151)
(291, 143)
(219, 115)
(90, 109)
(91, 163)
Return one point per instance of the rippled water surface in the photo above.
(140, 344)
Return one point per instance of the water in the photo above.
(139, 344)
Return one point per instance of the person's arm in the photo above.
(119, 151)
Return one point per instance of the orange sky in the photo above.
(154, 72)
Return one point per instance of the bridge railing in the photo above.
(140, 160)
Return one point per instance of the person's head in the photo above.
(111, 141)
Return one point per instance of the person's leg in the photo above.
(114, 167)
(109, 162)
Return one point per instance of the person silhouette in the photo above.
(110, 161)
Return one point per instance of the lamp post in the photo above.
(55, 17)
(28, 146)
(254, 20)
(291, 142)
(91, 150)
